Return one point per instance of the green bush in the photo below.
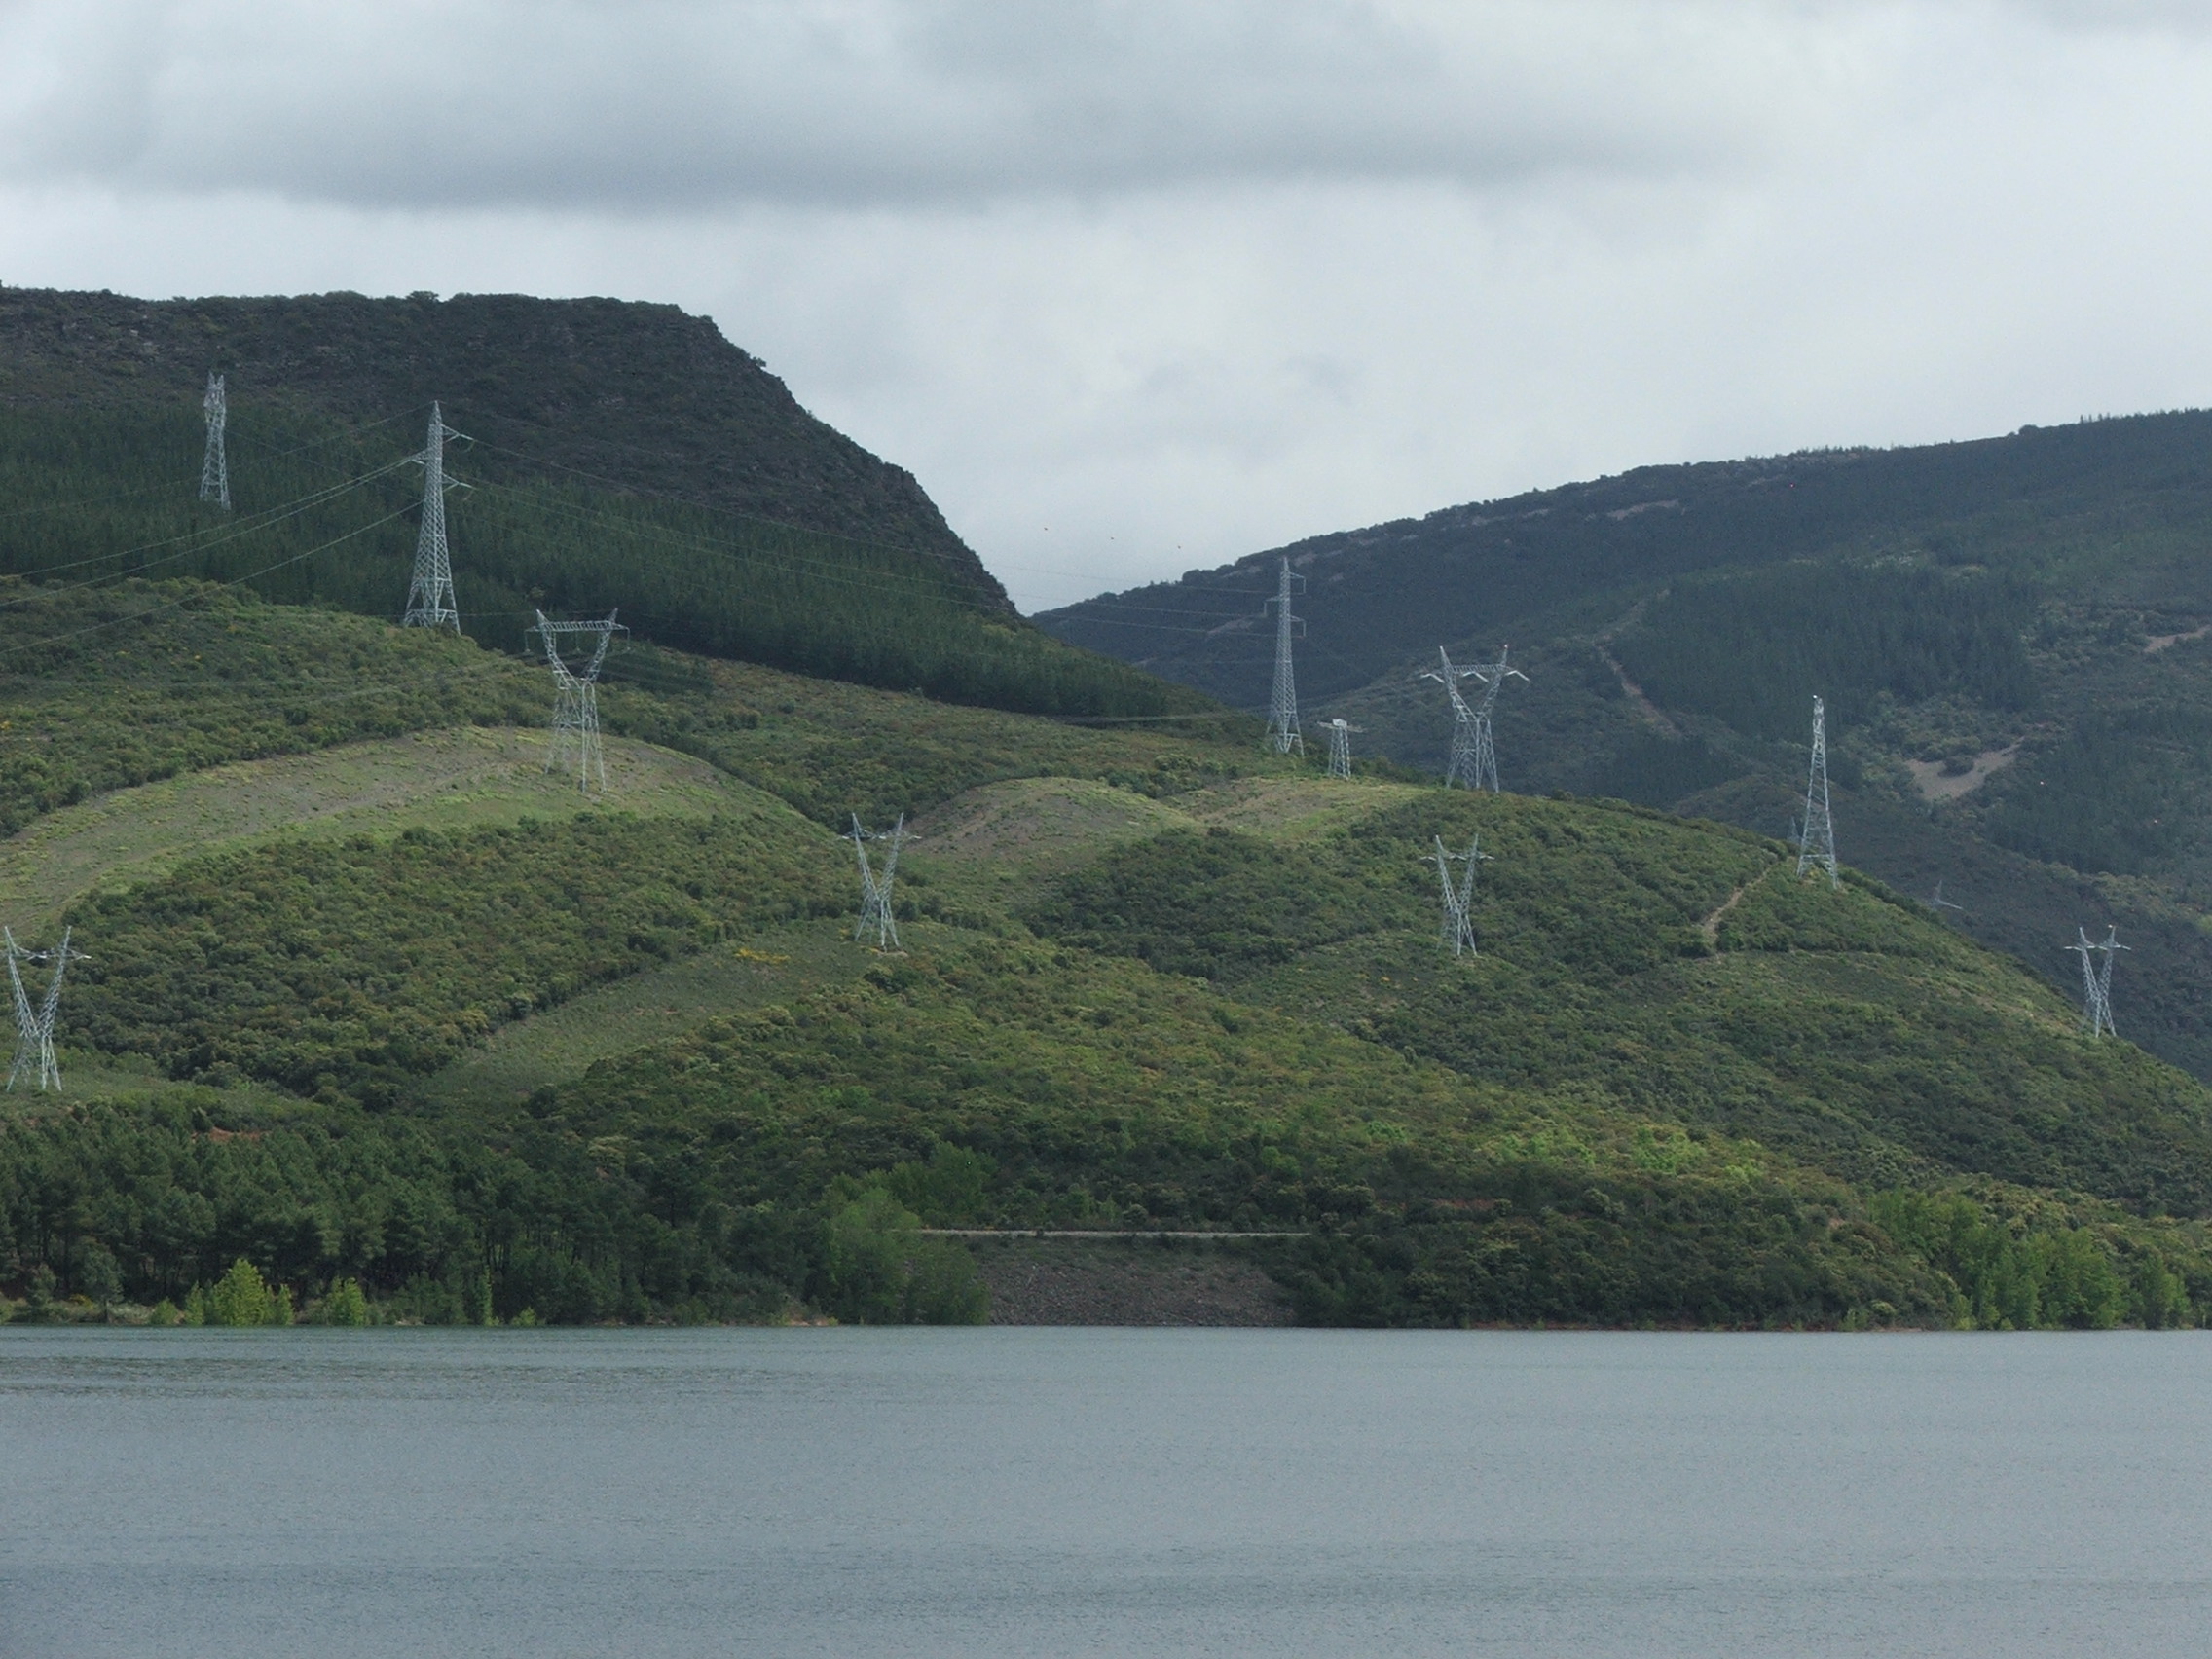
(2014, 1278)
(343, 1304)
(882, 1272)
(241, 1297)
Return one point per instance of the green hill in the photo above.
(2010, 636)
(618, 455)
(363, 1001)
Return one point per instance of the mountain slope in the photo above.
(2008, 633)
(629, 1063)
(617, 457)
(2121, 502)
(640, 395)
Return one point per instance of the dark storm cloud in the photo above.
(673, 106)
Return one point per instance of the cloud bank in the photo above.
(1139, 287)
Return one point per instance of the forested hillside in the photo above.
(2013, 639)
(615, 457)
(368, 1006)
(640, 396)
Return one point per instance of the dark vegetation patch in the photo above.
(1753, 649)
(326, 514)
(345, 970)
(2120, 792)
(209, 677)
(1847, 1028)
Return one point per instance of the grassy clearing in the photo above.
(655, 1006)
(436, 779)
(1295, 808)
(831, 748)
(87, 1074)
(998, 844)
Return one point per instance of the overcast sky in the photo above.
(1141, 286)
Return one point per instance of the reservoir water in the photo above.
(1041, 1493)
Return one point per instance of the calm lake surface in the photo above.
(1042, 1493)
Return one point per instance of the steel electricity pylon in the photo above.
(576, 745)
(1494, 676)
(1282, 734)
(1460, 896)
(34, 1023)
(2096, 979)
(215, 464)
(875, 884)
(429, 595)
(1339, 746)
(1474, 754)
(1461, 766)
(1815, 843)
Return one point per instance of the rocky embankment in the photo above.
(1124, 1281)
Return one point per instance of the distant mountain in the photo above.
(642, 396)
(2013, 638)
(616, 456)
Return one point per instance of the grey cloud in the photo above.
(673, 105)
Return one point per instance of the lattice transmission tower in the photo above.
(1474, 754)
(1461, 766)
(875, 884)
(1339, 746)
(576, 745)
(34, 1021)
(1816, 842)
(1460, 896)
(2096, 979)
(215, 463)
(429, 595)
(1282, 734)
